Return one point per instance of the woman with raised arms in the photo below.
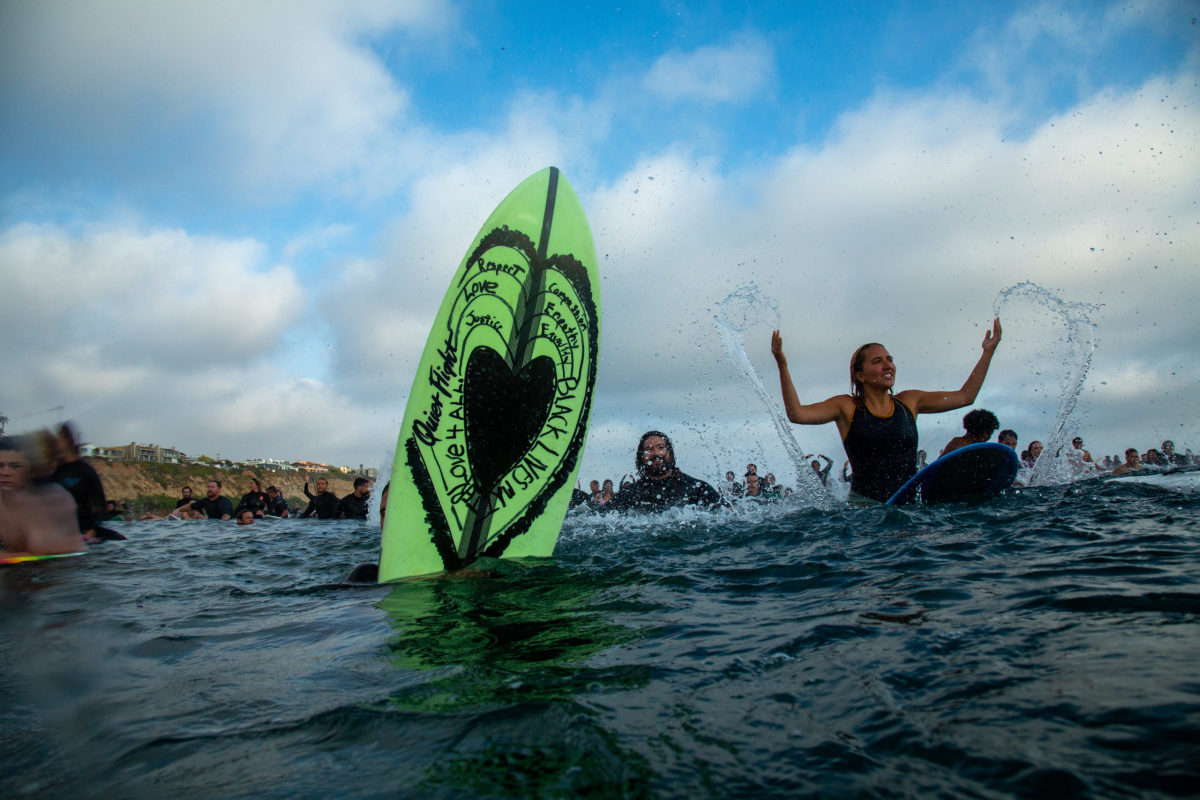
(879, 427)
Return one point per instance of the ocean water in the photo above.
(1045, 644)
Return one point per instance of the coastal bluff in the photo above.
(146, 486)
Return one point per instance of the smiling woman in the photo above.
(879, 428)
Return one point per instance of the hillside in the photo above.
(155, 487)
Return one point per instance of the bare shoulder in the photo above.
(912, 399)
(844, 404)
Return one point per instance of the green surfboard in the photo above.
(498, 412)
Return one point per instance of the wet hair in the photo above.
(856, 365)
(274, 489)
(360, 482)
(1133, 450)
(1006, 432)
(67, 431)
(257, 485)
(637, 454)
(42, 452)
(980, 422)
(213, 480)
(383, 498)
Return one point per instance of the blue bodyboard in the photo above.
(969, 474)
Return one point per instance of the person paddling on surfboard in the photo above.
(879, 428)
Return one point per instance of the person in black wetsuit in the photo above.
(80, 479)
(213, 506)
(276, 504)
(354, 505)
(186, 497)
(254, 501)
(323, 504)
(822, 474)
(661, 484)
(879, 428)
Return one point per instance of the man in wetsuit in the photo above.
(354, 505)
(186, 498)
(323, 504)
(80, 479)
(822, 474)
(276, 504)
(661, 484)
(213, 506)
(1174, 459)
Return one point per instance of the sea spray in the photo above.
(743, 308)
(1081, 341)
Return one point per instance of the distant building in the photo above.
(96, 451)
(312, 466)
(151, 453)
(270, 463)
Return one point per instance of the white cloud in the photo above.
(381, 310)
(122, 296)
(902, 228)
(282, 95)
(737, 72)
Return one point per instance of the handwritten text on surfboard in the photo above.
(509, 388)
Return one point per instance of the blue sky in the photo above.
(225, 227)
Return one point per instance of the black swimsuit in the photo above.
(882, 451)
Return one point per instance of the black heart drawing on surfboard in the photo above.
(513, 381)
(504, 412)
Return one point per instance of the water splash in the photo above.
(747, 307)
(1081, 341)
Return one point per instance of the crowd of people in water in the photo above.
(257, 504)
(51, 501)
(878, 429)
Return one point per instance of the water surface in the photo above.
(1043, 644)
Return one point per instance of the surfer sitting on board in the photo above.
(660, 483)
(879, 429)
(34, 520)
(978, 425)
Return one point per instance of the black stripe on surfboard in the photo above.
(548, 216)
(480, 526)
